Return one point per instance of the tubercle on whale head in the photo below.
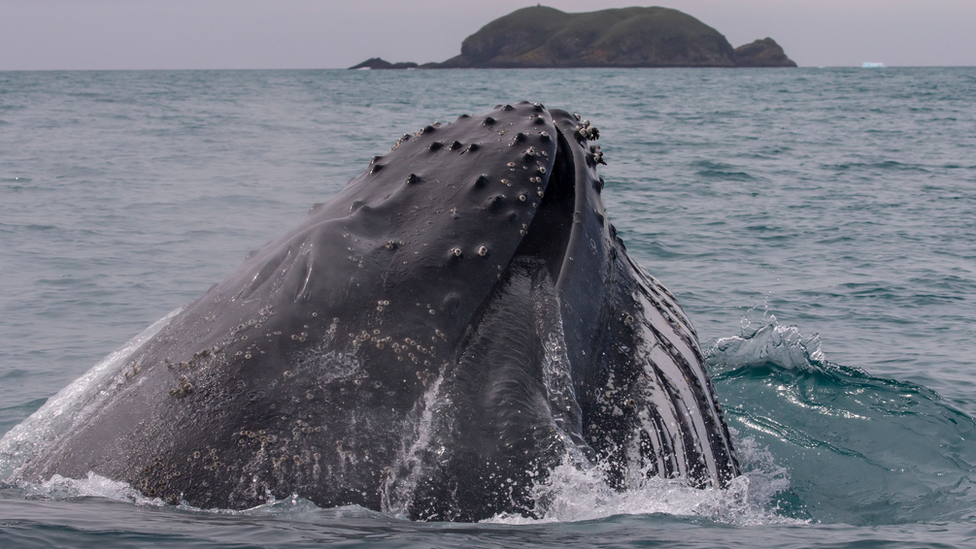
(507, 186)
(458, 198)
(517, 181)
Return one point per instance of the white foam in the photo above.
(62, 413)
(61, 488)
(405, 476)
(96, 486)
(573, 494)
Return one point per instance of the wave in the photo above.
(859, 449)
(572, 494)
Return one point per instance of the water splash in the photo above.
(61, 488)
(859, 449)
(573, 494)
(58, 416)
(400, 485)
(766, 340)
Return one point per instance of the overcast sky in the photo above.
(258, 34)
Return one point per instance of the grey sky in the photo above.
(238, 34)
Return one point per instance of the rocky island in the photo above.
(375, 63)
(544, 37)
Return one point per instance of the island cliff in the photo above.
(543, 37)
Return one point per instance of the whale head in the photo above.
(460, 319)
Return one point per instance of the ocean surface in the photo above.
(817, 225)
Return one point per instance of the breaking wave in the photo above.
(858, 449)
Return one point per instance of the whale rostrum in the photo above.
(431, 342)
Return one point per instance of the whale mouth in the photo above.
(548, 235)
(511, 384)
(513, 381)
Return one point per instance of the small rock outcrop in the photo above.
(762, 53)
(375, 63)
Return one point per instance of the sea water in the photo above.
(818, 226)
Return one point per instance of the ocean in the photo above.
(817, 225)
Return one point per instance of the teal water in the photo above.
(816, 224)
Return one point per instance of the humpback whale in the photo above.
(456, 322)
